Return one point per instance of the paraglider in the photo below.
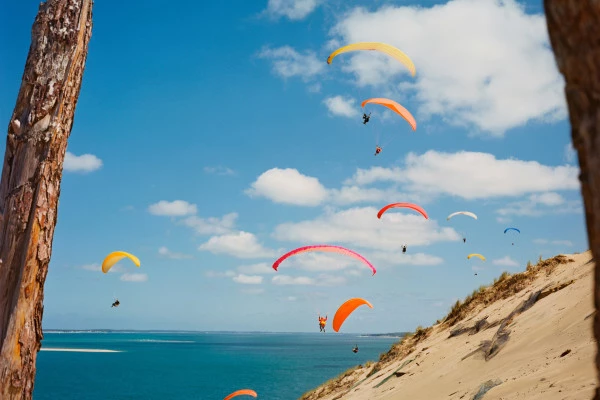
(395, 107)
(366, 118)
(355, 349)
(115, 257)
(384, 48)
(322, 323)
(246, 392)
(415, 207)
(377, 150)
(346, 309)
(512, 229)
(326, 248)
(475, 255)
(404, 248)
(115, 304)
(467, 213)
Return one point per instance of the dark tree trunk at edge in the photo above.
(30, 185)
(574, 28)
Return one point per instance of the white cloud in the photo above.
(506, 261)
(211, 225)
(291, 298)
(83, 163)
(481, 63)
(248, 279)
(471, 175)
(293, 9)
(134, 277)
(176, 208)
(341, 106)
(163, 251)
(241, 245)
(396, 258)
(288, 63)
(97, 268)
(291, 280)
(570, 153)
(360, 227)
(540, 241)
(540, 204)
(219, 170)
(288, 186)
(260, 268)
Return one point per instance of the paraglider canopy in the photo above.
(242, 392)
(467, 213)
(395, 107)
(476, 255)
(512, 229)
(327, 248)
(415, 207)
(115, 257)
(384, 48)
(346, 309)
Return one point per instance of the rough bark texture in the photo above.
(30, 186)
(574, 28)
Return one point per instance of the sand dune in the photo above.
(529, 336)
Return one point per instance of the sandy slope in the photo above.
(528, 366)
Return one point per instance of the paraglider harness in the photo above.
(404, 248)
(366, 118)
(116, 303)
(355, 349)
(377, 150)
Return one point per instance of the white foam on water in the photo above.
(80, 350)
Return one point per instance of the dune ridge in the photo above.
(526, 336)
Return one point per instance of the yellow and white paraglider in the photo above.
(475, 255)
(382, 47)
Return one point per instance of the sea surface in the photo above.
(98, 365)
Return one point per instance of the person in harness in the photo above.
(366, 118)
(377, 150)
(115, 304)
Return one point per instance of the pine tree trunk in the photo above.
(574, 28)
(30, 185)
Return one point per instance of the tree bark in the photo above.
(574, 28)
(30, 185)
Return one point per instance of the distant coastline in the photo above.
(387, 335)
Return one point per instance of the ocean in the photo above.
(96, 365)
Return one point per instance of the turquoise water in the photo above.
(195, 365)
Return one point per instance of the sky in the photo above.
(210, 138)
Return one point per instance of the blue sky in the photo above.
(211, 138)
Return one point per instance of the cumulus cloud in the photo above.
(288, 63)
(555, 242)
(248, 279)
(176, 208)
(211, 225)
(83, 163)
(541, 204)
(357, 227)
(480, 63)
(241, 245)
(506, 261)
(342, 106)
(293, 9)
(289, 186)
(134, 277)
(219, 170)
(163, 251)
(471, 175)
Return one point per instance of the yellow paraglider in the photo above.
(115, 257)
(475, 255)
(384, 48)
(345, 310)
(395, 107)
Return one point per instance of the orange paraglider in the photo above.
(247, 392)
(395, 107)
(346, 309)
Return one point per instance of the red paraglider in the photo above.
(405, 205)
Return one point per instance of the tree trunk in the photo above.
(574, 28)
(30, 186)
